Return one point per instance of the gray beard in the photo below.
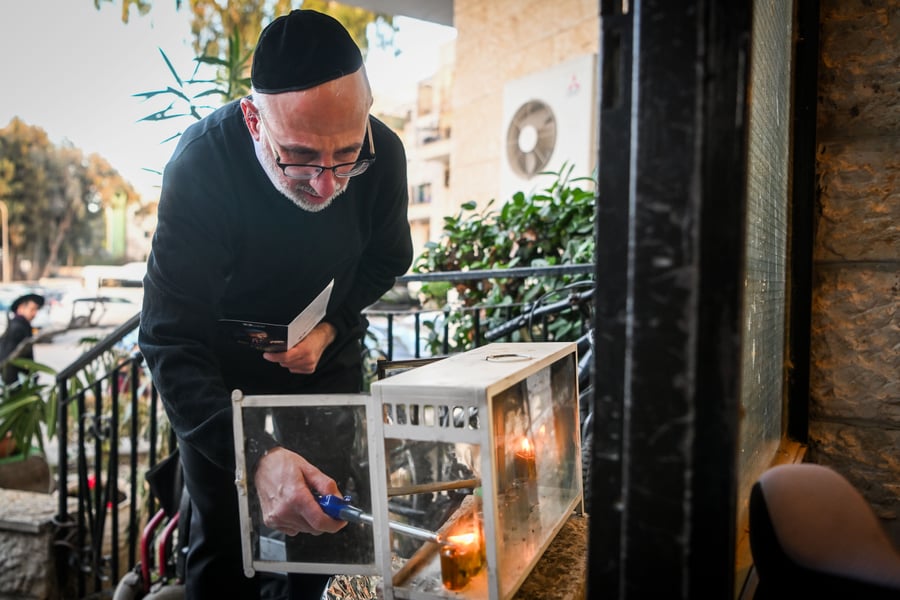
(294, 190)
(295, 195)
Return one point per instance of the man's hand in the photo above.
(285, 483)
(304, 357)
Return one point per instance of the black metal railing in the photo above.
(100, 465)
(111, 428)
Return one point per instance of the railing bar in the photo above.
(154, 431)
(418, 335)
(84, 497)
(445, 346)
(135, 363)
(112, 487)
(476, 325)
(99, 506)
(62, 459)
(390, 336)
(516, 273)
(108, 501)
(63, 519)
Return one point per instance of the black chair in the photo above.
(812, 534)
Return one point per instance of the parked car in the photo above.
(102, 311)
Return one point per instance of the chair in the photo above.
(812, 533)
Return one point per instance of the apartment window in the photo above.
(422, 194)
(425, 104)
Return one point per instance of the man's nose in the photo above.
(325, 183)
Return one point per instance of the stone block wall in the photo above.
(855, 345)
(26, 536)
(499, 41)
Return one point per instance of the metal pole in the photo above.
(4, 216)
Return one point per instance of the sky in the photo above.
(73, 71)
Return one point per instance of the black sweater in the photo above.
(229, 245)
(18, 330)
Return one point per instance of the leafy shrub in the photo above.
(28, 408)
(552, 227)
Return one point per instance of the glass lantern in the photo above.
(483, 448)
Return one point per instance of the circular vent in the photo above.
(530, 138)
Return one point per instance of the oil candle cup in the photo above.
(525, 467)
(526, 473)
(461, 559)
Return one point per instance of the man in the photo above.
(263, 202)
(24, 309)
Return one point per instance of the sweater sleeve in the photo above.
(186, 277)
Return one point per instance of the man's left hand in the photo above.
(304, 357)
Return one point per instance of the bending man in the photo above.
(263, 202)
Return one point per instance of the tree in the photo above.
(56, 197)
(224, 39)
(226, 33)
(7, 170)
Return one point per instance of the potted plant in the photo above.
(28, 417)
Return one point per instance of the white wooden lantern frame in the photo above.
(473, 391)
(469, 385)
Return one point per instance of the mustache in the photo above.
(306, 188)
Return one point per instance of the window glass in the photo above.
(766, 252)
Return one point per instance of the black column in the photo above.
(670, 222)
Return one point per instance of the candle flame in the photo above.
(463, 539)
(526, 446)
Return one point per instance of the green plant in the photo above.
(187, 96)
(28, 407)
(554, 226)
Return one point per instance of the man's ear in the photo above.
(251, 117)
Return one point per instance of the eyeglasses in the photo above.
(307, 172)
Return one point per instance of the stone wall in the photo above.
(26, 535)
(855, 346)
(498, 41)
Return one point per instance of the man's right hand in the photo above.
(285, 483)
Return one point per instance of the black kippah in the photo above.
(301, 50)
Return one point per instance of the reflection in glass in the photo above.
(333, 439)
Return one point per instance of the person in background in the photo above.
(263, 202)
(23, 310)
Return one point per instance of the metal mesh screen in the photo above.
(765, 285)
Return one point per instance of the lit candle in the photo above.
(462, 557)
(526, 476)
(524, 461)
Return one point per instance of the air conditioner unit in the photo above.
(549, 118)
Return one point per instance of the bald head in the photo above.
(336, 107)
